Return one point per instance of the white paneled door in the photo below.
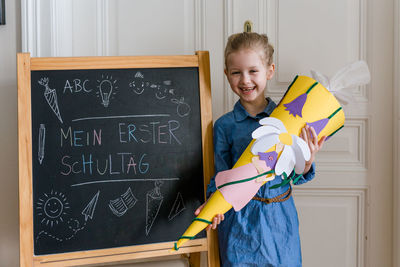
(346, 212)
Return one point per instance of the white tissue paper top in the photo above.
(346, 79)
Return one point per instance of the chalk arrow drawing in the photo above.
(177, 207)
(88, 211)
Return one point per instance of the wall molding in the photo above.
(102, 28)
(360, 193)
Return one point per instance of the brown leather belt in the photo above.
(282, 197)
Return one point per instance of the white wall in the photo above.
(10, 44)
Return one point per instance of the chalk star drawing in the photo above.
(88, 211)
(121, 205)
(107, 89)
(154, 200)
(177, 207)
(52, 207)
(51, 97)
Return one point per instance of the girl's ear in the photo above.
(226, 72)
(270, 71)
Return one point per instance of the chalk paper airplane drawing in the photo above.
(42, 139)
(52, 207)
(177, 207)
(121, 205)
(51, 97)
(88, 211)
(154, 200)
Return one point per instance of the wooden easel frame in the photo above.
(26, 64)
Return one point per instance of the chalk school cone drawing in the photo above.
(276, 148)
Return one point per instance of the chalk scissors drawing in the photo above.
(51, 97)
(154, 200)
(52, 209)
(42, 139)
(122, 204)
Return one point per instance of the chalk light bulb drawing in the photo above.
(106, 90)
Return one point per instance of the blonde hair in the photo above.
(249, 40)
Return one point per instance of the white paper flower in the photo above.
(295, 152)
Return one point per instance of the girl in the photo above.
(266, 231)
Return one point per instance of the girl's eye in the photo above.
(253, 71)
(235, 72)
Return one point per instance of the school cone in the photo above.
(305, 102)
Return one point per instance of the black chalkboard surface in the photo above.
(116, 157)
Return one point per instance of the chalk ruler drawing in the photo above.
(42, 139)
(177, 207)
(51, 97)
(106, 89)
(51, 207)
(154, 200)
(122, 204)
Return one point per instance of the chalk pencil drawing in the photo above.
(154, 200)
(88, 211)
(106, 89)
(51, 97)
(42, 139)
(182, 108)
(52, 207)
(177, 207)
(122, 204)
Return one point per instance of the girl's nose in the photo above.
(245, 78)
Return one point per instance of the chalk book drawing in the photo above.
(122, 204)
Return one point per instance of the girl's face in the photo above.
(248, 74)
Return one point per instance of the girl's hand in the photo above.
(309, 135)
(215, 221)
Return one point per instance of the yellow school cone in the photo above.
(305, 101)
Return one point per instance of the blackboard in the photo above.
(114, 156)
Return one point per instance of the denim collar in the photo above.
(241, 114)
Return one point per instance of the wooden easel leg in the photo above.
(194, 259)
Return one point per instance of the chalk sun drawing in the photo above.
(52, 207)
(106, 89)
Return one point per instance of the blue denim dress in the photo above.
(259, 234)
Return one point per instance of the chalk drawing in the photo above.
(51, 97)
(177, 207)
(52, 207)
(42, 139)
(183, 109)
(88, 211)
(106, 89)
(154, 200)
(122, 204)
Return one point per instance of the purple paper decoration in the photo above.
(269, 158)
(318, 125)
(295, 107)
